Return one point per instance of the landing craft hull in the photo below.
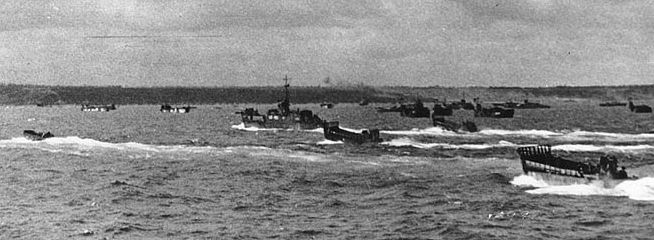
(333, 132)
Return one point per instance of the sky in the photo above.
(152, 43)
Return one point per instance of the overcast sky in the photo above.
(385, 42)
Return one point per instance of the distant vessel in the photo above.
(364, 102)
(613, 104)
(282, 117)
(462, 105)
(415, 110)
(441, 109)
(465, 126)
(92, 108)
(36, 136)
(639, 108)
(526, 104)
(333, 132)
(170, 109)
(326, 105)
(539, 162)
(493, 112)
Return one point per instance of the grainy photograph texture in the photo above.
(297, 119)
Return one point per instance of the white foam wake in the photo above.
(404, 142)
(407, 142)
(256, 129)
(639, 189)
(565, 135)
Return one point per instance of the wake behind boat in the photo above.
(333, 132)
(36, 136)
(539, 162)
(465, 126)
(282, 117)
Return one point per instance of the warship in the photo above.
(281, 117)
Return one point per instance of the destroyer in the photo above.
(281, 117)
(539, 162)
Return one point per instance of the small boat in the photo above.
(36, 136)
(364, 102)
(613, 104)
(282, 117)
(539, 162)
(639, 108)
(465, 126)
(492, 112)
(170, 109)
(441, 109)
(92, 108)
(462, 105)
(333, 132)
(326, 105)
(415, 110)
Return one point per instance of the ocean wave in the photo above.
(563, 135)
(431, 131)
(639, 189)
(403, 142)
(408, 142)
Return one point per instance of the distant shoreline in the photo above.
(15, 94)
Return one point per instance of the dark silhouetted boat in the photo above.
(282, 117)
(326, 105)
(463, 104)
(415, 110)
(36, 136)
(333, 132)
(492, 112)
(639, 108)
(441, 109)
(93, 108)
(169, 109)
(539, 162)
(364, 102)
(526, 104)
(465, 126)
(613, 104)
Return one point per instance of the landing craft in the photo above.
(538, 161)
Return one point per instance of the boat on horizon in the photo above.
(36, 136)
(93, 108)
(613, 104)
(327, 105)
(415, 110)
(539, 162)
(333, 132)
(281, 117)
(492, 112)
(169, 109)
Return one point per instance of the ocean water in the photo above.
(136, 173)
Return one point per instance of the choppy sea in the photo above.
(136, 173)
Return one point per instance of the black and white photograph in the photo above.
(314, 119)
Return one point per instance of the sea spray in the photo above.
(639, 189)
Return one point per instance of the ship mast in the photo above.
(286, 85)
(285, 105)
